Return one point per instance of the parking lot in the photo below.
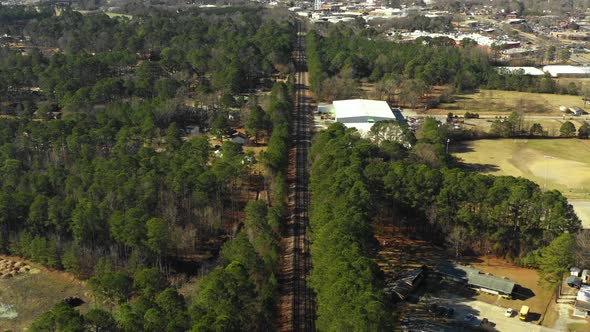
(494, 314)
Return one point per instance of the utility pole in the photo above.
(546, 169)
(317, 4)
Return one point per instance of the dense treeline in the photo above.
(92, 185)
(116, 178)
(162, 55)
(339, 57)
(341, 53)
(519, 82)
(472, 212)
(239, 295)
(504, 215)
(12, 14)
(353, 181)
(344, 276)
(242, 294)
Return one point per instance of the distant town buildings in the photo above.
(556, 71)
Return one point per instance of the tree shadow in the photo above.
(467, 260)
(473, 167)
(461, 148)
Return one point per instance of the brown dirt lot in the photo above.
(533, 295)
(31, 294)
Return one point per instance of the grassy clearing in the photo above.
(498, 102)
(32, 294)
(550, 125)
(562, 164)
(582, 83)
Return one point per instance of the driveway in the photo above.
(494, 314)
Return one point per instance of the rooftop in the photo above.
(583, 294)
(477, 278)
(555, 70)
(355, 108)
(531, 71)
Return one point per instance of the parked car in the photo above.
(509, 312)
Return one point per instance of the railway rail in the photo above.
(297, 305)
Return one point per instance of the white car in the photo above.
(508, 312)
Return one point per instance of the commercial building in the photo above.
(477, 279)
(582, 304)
(363, 113)
(528, 71)
(567, 71)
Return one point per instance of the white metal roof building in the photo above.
(567, 71)
(529, 71)
(362, 113)
(582, 304)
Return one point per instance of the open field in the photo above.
(551, 125)
(562, 164)
(27, 295)
(499, 101)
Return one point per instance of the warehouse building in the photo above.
(363, 113)
(528, 71)
(567, 71)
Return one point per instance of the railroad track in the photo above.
(297, 303)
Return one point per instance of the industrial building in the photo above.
(363, 113)
(528, 71)
(567, 71)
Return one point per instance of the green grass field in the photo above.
(30, 294)
(562, 164)
(498, 101)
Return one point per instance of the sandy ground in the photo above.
(553, 164)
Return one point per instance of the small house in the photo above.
(402, 287)
(477, 279)
(585, 276)
(239, 138)
(582, 304)
(577, 111)
(575, 271)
